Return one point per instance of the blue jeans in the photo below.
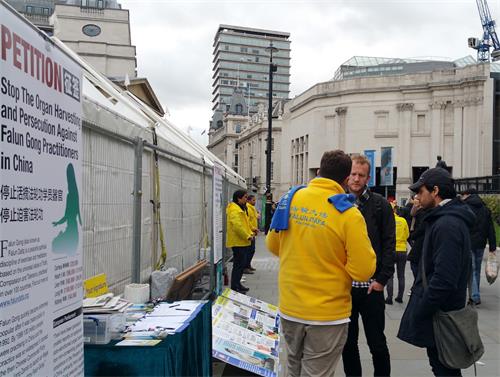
(477, 258)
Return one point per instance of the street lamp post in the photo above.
(269, 196)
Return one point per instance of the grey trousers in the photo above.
(311, 350)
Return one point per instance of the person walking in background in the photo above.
(322, 243)
(446, 261)
(482, 230)
(239, 237)
(417, 233)
(253, 217)
(368, 295)
(402, 234)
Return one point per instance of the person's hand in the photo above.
(255, 232)
(375, 286)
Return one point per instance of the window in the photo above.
(219, 123)
(420, 123)
(29, 9)
(226, 47)
(225, 82)
(255, 51)
(256, 59)
(228, 107)
(243, 49)
(46, 11)
(249, 76)
(239, 109)
(237, 128)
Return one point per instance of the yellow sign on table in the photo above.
(95, 286)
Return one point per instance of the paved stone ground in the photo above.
(406, 360)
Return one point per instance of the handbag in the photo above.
(491, 268)
(456, 334)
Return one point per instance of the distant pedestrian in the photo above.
(322, 243)
(441, 163)
(402, 234)
(417, 233)
(446, 264)
(239, 237)
(482, 231)
(368, 295)
(253, 217)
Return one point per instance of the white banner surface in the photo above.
(219, 212)
(40, 220)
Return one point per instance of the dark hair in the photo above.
(335, 165)
(250, 196)
(238, 194)
(439, 158)
(445, 191)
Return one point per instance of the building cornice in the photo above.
(242, 138)
(454, 84)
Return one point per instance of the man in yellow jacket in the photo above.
(322, 242)
(402, 234)
(239, 236)
(253, 218)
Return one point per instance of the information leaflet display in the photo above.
(245, 336)
(218, 212)
(41, 330)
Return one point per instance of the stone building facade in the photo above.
(421, 114)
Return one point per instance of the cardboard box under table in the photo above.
(187, 353)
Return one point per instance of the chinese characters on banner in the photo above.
(370, 155)
(40, 196)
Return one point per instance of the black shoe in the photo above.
(388, 301)
(243, 288)
(248, 271)
(400, 300)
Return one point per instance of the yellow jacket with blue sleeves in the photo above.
(238, 230)
(402, 233)
(320, 253)
(252, 216)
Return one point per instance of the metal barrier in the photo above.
(120, 230)
(484, 185)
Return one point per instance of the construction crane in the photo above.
(490, 38)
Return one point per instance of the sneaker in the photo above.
(243, 288)
(248, 271)
(251, 268)
(388, 301)
(400, 300)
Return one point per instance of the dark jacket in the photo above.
(416, 239)
(381, 227)
(447, 262)
(483, 229)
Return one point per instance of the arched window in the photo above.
(219, 123)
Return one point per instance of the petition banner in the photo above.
(40, 219)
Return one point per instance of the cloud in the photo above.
(174, 39)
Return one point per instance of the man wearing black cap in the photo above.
(482, 230)
(445, 261)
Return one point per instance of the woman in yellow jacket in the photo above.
(402, 234)
(239, 237)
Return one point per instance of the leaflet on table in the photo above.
(138, 342)
(189, 309)
(242, 335)
(250, 301)
(244, 357)
(169, 324)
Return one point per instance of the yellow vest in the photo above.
(402, 233)
(238, 229)
(320, 254)
(252, 216)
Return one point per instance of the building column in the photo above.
(458, 140)
(341, 112)
(404, 150)
(436, 132)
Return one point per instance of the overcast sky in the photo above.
(174, 40)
